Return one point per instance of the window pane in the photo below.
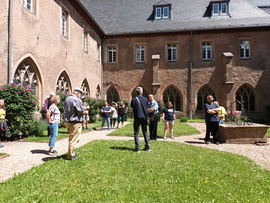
(215, 8)
(223, 8)
(142, 55)
(166, 12)
(158, 12)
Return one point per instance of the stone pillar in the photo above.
(228, 78)
(155, 84)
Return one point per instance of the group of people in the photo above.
(75, 112)
(112, 112)
(145, 111)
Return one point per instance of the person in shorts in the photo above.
(168, 117)
(85, 117)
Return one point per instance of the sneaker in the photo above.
(137, 150)
(217, 143)
(54, 152)
(1, 145)
(147, 149)
(73, 158)
(172, 137)
(83, 128)
(207, 142)
(87, 128)
(165, 138)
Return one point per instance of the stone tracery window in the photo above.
(172, 95)
(25, 75)
(245, 96)
(112, 95)
(85, 88)
(202, 97)
(63, 84)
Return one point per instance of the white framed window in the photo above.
(111, 55)
(85, 34)
(28, 4)
(223, 8)
(140, 52)
(64, 23)
(244, 49)
(206, 51)
(165, 12)
(171, 52)
(215, 9)
(158, 13)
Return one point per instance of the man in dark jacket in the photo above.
(211, 119)
(139, 108)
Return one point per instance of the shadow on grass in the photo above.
(122, 148)
(50, 158)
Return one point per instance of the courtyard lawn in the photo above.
(62, 133)
(110, 171)
(2, 154)
(178, 129)
(268, 132)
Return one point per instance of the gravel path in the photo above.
(25, 155)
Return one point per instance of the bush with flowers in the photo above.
(161, 106)
(20, 106)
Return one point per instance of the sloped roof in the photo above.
(134, 16)
(260, 2)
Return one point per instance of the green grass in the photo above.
(109, 171)
(196, 120)
(2, 154)
(268, 132)
(178, 129)
(62, 133)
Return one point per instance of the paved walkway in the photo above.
(25, 155)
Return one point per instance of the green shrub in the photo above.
(95, 106)
(183, 119)
(20, 106)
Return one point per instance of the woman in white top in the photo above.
(53, 119)
(114, 115)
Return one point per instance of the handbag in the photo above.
(147, 118)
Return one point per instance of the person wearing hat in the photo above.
(73, 115)
(113, 114)
(139, 108)
(85, 117)
(48, 103)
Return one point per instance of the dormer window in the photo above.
(162, 10)
(219, 8)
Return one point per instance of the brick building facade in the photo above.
(175, 50)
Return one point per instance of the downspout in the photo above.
(102, 66)
(191, 64)
(10, 41)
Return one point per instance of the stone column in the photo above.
(228, 78)
(155, 84)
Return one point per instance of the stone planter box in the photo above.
(244, 134)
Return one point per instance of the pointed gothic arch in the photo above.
(63, 84)
(85, 88)
(112, 94)
(27, 74)
(202, 94)
(245, 94)
(173, 95)
(133, 93)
